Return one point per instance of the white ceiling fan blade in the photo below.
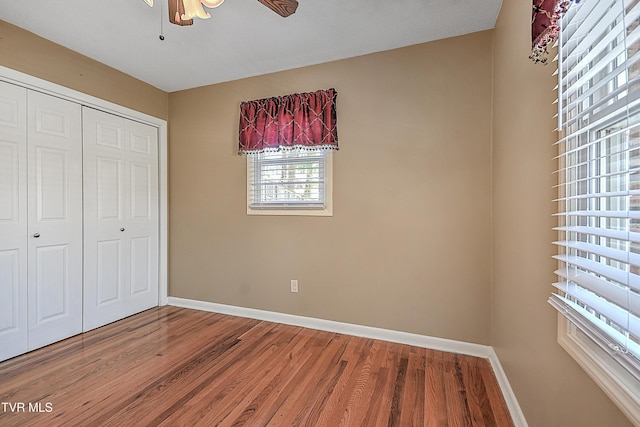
(193, 8)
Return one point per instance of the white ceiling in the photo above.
(243, 38)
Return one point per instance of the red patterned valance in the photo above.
(545, 26)
(301, 120)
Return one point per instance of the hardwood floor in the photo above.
(177, 367)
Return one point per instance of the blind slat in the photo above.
(632, 237)
(601, 214)
(612, 273)
(619, 255)
(612, 312)
(619, 295)
(604, 195)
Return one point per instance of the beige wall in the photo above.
(26, 52)
(551, 388)
(408, 247)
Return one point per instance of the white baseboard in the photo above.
(416, 340)
(509, 396)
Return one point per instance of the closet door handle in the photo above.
(36, 235)
(122, 229)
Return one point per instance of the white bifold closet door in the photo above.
(54, 159)
(40, 220)
(120, 217)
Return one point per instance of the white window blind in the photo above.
(288, 179)
(599, 175)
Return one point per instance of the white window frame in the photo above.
(604, 364)
(616, 382)
(291, 209)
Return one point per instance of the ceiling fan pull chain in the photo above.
(161, 37)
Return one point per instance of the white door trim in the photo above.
(30, 82)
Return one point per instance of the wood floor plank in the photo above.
(475, 392)
(337, 400)
(359, 403)
(174, 367)
(457, 410)
(391, 393)
(359, 377)
(435, 394)
(413, 397)
(377, 413)
(300, 390)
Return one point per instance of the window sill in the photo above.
(621, 387)
(291, 212)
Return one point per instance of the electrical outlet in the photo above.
(294, 286)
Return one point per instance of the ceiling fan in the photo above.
(182, 12)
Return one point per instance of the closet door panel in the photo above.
(10, 168)
(13, 220)
(10, 310)
(104, 238)
(52, 265)
(142, 224)
(105, 285)
(55, 219)
(109, 272)
(13, 312)
(121, 218)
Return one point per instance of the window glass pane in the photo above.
(288, 179)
